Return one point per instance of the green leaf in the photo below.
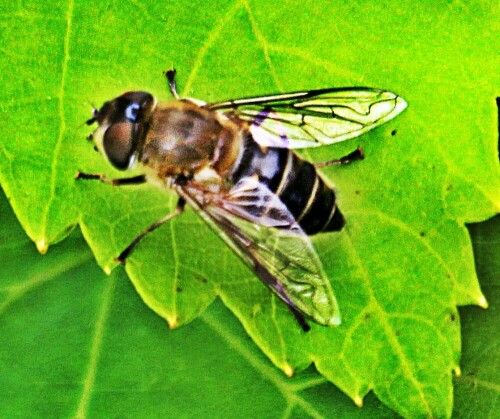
(77, 343)
(478, 388)
(404, 261)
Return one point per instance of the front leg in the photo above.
(135, 180)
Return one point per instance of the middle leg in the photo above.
(126, 252)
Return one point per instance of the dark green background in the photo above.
(78, 342)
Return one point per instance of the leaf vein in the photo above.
(269, 373)
(391, 334)
(404, 227)
(210, 41)
(278, 329)
(175, 279)
(89, 380)
(16, 292)
(265, 46)
(62, 119)
(483, 383)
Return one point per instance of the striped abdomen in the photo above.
(296, 182)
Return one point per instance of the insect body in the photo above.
(233, 163)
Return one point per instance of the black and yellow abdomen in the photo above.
(295, 181)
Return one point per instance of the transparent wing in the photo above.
(258, 227)
(313, 118)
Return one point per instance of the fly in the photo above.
(233, 163)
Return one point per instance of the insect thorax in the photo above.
(184, 138)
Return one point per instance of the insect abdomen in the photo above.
(296, 182)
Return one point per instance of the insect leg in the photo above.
(136, 180)
(126, 252)
(170, 75)
(94, 116)
(300, 318)
(354, 155)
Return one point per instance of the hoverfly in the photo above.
(232, 163)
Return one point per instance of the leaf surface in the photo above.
(478, 388)
(78, 343)
(404, 261)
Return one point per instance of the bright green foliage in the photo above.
(400, 267)
(78, 343)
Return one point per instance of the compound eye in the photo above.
(132, 112)
(118, 144)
